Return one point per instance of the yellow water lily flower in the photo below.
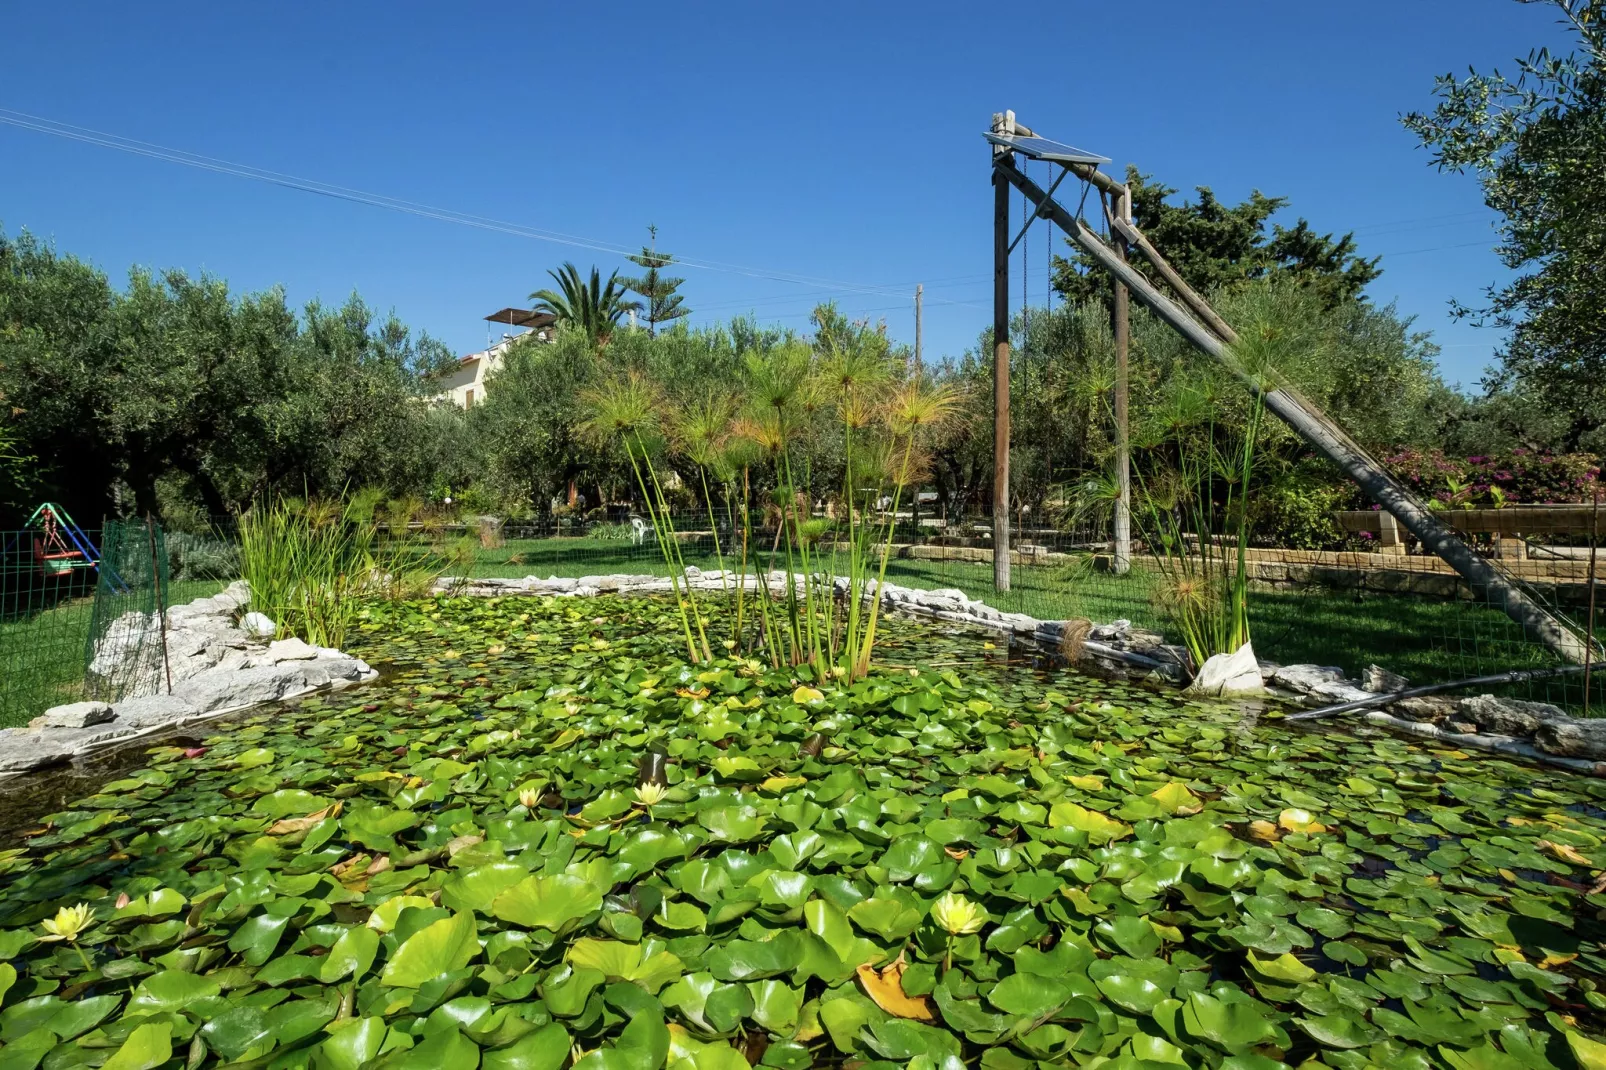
(651, 794)
(957, 914)
(68, 923)
(529, 797)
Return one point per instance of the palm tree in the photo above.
(590, 306)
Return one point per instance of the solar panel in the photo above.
(1041, 148)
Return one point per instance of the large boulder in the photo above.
(1573, 738)
(1509, 716)
(151, 711)
(248, 687)
(1433, 709)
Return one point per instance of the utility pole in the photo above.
(920, 291)
(1121, 315)
(1002, 124)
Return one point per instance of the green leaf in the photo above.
(82, 1015)
(351, 955)
(555, 903)
(775, 1005)
(708, 1004)
(1029, 995)
(1285, 967)
(448, 1049)
(732, 824)
(749, 960)
(890, 919)
(170, 990)
(1134, 936)
(1136, 985)
(477, 888)
(1338, 1030)
(1235, 1026)
(545, 1049)
(148, 1046)
(443, 946)
(353, 1044)
(236, 1031)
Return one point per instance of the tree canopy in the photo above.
(1218, 246)
(1537, 143)
(663, 303)
(586, 305)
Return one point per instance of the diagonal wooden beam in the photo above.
(1319, 431)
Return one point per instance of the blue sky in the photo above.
(826, 150)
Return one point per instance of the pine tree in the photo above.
(663, 303)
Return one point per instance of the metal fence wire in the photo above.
(45, 610)
(125, 650)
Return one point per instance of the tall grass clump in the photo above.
(1191, 509)
(627, 413)
(312, 563)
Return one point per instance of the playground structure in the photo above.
(60, 546)
(1196, 321)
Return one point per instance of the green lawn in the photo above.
(42, 653)
(1422, 639)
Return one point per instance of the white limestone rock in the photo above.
(1306, 679)
(74, 715)
(248, 687)
(154, 710)
(258, 625)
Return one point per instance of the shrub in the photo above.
(1518, 476)
(1295, 512)
(201, 557)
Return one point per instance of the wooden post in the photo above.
(1004, 123)
(1327, 438)
(1121, 314)
(1190, 297)
(920, 291)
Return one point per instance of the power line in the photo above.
(102, 139)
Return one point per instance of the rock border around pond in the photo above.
(221, 661)
(1532, 730)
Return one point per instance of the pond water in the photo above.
(958, 861)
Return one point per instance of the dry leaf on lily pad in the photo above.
(285, 826)
(1564, 852)
(886, 988)
(1264, 831)
(1295, 820)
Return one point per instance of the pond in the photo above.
(545, 840)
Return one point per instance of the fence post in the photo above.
(160, 585)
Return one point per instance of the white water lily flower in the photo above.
(651, 794)
(68, 923)
(958, 915)
(529, 798)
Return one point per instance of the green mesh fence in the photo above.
(124, 653)
(45, 611)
